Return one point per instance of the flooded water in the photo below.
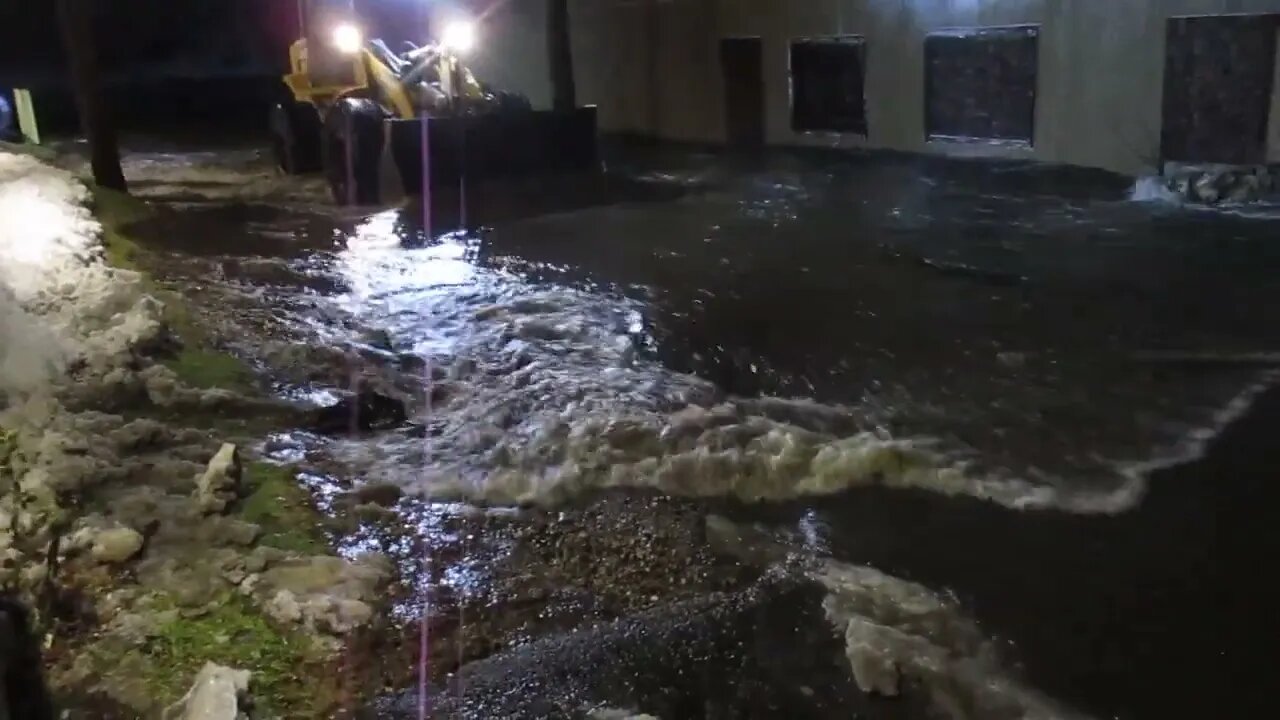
(994, 357)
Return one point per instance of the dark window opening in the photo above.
(742, 63)
(1218, 81)
(827, 76)
(981, 83)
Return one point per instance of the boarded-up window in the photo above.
(980, 83)
(1218, 86)
(827, 76)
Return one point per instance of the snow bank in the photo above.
(59, 300)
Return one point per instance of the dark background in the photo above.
(211, 64)
(1217, 88)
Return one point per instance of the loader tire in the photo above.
(353, 151)
(295, 137)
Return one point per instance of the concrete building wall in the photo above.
(512, 52)
(652, 66)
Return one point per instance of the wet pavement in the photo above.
(1031, 328)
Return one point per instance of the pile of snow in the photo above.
(58, 300)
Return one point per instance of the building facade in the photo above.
(1115, 84)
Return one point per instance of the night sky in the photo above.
(180, 38)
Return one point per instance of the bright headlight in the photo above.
(459, 36)
(347, 39)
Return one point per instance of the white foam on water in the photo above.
(1154, 189)
(1195, 443)
(548, 399)
(727, 451)
(899, 634)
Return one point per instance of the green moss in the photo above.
(8, 443)
(194, 365)
(283, 509)
(116, 210)
(205, 369)
(236, 635)
(38, 152)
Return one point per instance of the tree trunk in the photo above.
(560, 56)
(76, 18)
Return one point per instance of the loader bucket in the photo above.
(499, 145)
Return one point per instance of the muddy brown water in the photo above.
(1021, 317)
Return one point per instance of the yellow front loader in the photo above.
(354, 105)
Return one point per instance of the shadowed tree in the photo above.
(560, 56)
(76, 19)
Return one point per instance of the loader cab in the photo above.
(327, 57)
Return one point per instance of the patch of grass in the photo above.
(236, 635)
(282, 507)
(205, 369)
(116, 210)
(39, 152)
(194, 365)
(8, 443)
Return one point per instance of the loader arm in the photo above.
(368, 72)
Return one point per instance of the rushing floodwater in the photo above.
(1022, 323)
(1020, 335)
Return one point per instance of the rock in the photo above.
(364, 411)
(161, 385)
(1244, 187)
(384, 494)
(342, 615)
(328, 594)
(284, 608)
(140, 435)
(217, 694)
(378, 339)
(219, 486)
(116, 545)
(262, 558)
(1012, 360)
(1213, 184)
(369, 512)
(1266, 181)
(190, 584)
(1205, 189)
(237, 532)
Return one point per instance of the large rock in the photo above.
(364, 411)
(219, 486)
(217, 694)
(116, 545)
(1214, 184)
(327, 594)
